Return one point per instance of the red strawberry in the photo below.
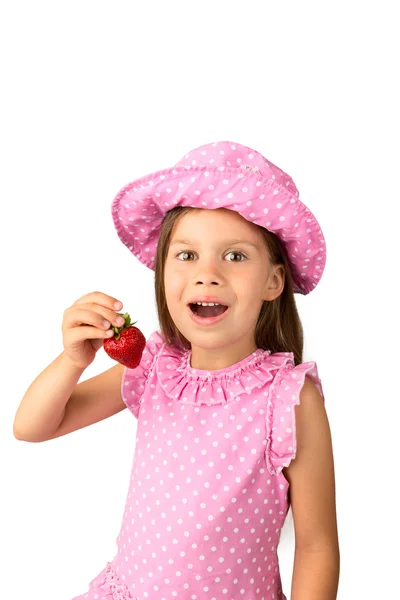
(127, 345)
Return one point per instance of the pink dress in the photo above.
(207, 498)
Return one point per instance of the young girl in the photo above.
(228, 414)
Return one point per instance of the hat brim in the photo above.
(139, 207)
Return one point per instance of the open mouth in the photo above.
(207, 311)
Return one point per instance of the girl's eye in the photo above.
(231, 252)
(184, 252)
(239, 253)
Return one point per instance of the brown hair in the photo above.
(278, 327)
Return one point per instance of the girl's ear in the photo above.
(275, 283)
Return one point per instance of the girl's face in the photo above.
(222, 255)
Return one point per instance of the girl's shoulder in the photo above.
(292, 384)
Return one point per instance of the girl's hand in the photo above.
(84, 327)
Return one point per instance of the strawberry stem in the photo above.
(117, 330)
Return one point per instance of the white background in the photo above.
(96, 94)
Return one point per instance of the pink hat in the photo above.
(224, 175)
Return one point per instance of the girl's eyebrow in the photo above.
(225, 243)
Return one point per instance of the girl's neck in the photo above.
(213, 358)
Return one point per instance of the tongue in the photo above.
(209, 311)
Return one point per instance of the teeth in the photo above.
(207, 303)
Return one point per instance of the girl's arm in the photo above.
(315, 575)
(55, 405)
(312, 495)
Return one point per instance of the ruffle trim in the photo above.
(134, 381)
(281, 439)
(108, 584)
(186, 385)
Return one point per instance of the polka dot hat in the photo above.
(224, 175)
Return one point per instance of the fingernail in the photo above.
(118, 305)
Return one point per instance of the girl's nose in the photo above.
(209, 270)
(208, 277)
(207, 281)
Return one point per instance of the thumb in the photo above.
(97, 343)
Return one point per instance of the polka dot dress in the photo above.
(207, 497)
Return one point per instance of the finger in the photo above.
(86, 332)
(110, 315)
(79, 317)
(96, 344)
(101, 299)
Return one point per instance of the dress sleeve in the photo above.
(134, 380)
(281, 417)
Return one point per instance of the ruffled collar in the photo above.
(187, 385)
